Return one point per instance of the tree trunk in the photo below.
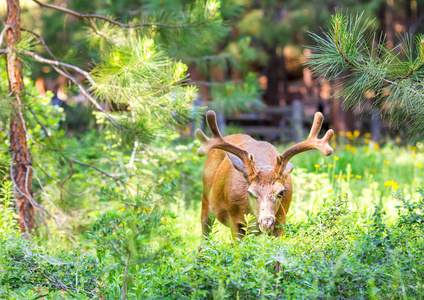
(285, 74)
(21, 158)
(271, 94)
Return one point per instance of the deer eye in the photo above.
(281, 193)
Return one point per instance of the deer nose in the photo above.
(266, 224)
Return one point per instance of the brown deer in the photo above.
(243, 176)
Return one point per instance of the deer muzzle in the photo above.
(266, 223)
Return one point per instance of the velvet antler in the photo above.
(312, 142)
(218, 142)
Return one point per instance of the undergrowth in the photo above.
(347, 237)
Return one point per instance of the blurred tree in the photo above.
(278, 29)
(132, 71)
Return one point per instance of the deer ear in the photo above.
(289, 168)
(237, 163)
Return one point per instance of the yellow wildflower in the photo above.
(330, 165)
(351, 175)
(367, 141)
(121, 209)
(367, 135)
(342, 176)
(330, 191)
(395, 185)
(420, 165)
(376, 147)
(317, 166)
(414, 149)
(138, 211)
(336, 158)
(336, 176)
(374, 170)
(358, 176)
(398, 140)
(386, 162)
(163, 220)
(392, 183)
(147, 211)
(371, 176)
(341, 133)
(349, 135)
(356, 133)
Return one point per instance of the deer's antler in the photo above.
(218, 142)
(311, 143)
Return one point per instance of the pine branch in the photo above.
(57, 181)
(93, 101)
(214, 83)
(71, 159)
(394, 76)
(41, 41)
(3, 32)
(356, 67)
(86, 17)
(210, 57)
(70, 77)
(93, 167)
(59, 64)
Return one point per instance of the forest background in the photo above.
(104, 201)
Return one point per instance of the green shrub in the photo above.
(29, 270)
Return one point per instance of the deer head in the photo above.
(266, 185)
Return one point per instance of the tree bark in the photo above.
(272, 93)
(21, 158)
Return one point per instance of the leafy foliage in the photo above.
(411, 213)
(232, 98)
(24, 265)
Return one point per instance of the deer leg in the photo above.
(279, 223)
(207, 217)
(238, 229)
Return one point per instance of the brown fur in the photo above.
(243, 176)
(225, 189)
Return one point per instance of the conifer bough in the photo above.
(393, 78)
(132, 73)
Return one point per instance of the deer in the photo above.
(244, 176)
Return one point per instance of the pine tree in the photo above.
(133, 71)
(392, 77)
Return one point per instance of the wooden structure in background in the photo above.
(262, 123)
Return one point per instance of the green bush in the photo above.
(335, 253)
(30, 269)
